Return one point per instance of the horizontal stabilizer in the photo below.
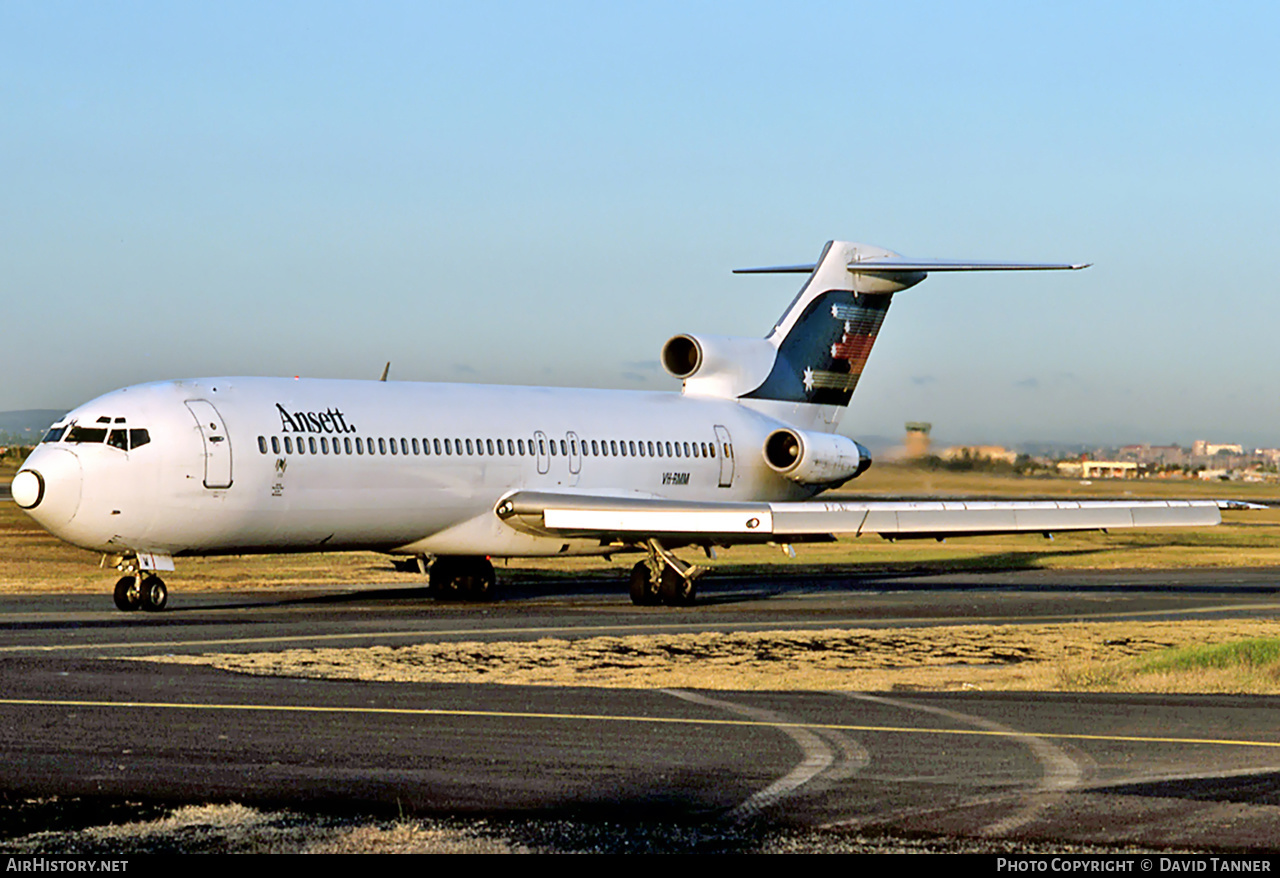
(778, 269)
(901, 263)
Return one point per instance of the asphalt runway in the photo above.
(1185, 771)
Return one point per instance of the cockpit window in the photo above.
(119, 439)
(87, 434)
(138, 436)
(54, 434)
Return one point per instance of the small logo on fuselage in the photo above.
(328, 421)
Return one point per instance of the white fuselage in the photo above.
(238, 465)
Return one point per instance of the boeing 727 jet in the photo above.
(455, 475)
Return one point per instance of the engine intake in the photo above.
(718, 365)
(681, 356)
(815, 458)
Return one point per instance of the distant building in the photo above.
(1164, 455)
(1109, 469)
(1205, 448)
(1070, 467)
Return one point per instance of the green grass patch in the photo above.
(1244, 665)
(1254, 654)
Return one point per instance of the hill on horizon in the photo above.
(29, 423)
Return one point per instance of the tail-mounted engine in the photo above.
(815, 458)
(718, 365)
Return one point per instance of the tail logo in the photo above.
(822, 357)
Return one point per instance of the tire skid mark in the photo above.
(825, 754)
(1060, 772)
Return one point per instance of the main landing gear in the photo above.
(455, 578)
(662, 578)
(141, 591)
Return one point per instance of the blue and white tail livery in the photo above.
(452, 475)
(808, 368)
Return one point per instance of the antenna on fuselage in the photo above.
(386, 370)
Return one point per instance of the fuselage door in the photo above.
(544, 454)
(575, 453)
(217, 444)
(724, 449)
(575, 457)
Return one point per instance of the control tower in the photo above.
(917, 438)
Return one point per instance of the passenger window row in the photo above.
(360, 445)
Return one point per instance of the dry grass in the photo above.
(407, 837)
(234, 828)
(1085, 656)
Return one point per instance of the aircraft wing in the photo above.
(632, 517)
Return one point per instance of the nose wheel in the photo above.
(141, 592)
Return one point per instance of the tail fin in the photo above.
(824, 337)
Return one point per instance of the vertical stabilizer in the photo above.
(826, 334)
(824, 337)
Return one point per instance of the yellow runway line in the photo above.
(589, 717)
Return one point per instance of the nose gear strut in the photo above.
(139, 589)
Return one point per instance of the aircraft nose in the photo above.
(48, 486)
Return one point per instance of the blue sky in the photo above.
(544, 193)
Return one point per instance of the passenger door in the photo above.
(540, 448)
(575, 458)
(217, 444)
(724, 449)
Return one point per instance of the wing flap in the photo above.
(635, 516)
(989, 517)
(658, 521)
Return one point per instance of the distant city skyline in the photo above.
(515, 193)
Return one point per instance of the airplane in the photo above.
(452, 476)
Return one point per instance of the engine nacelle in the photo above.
(718, 365)
(815, 458)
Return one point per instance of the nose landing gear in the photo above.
(141, 591)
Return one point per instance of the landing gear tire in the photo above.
(676, 591)
(480, 586)
(154, 594)
(461, 579)
(643, 594)
(128, 594)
